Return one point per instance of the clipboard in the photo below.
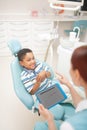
(51, 96)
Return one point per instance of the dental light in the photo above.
(72, 5)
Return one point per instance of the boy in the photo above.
(36, 75)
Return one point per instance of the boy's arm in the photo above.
(31, 85)
(35, 88)
(47, 74)
(43, 75)
(48, 69)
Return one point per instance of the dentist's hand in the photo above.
(62, 79)
(45, 112)
(48, 116)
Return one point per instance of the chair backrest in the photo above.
(16, 69)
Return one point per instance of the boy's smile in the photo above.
(28, 61)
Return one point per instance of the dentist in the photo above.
(78, 73)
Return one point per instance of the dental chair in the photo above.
(62, 111)
(27, 99)
(16, 69)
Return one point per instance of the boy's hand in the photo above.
(41, 76)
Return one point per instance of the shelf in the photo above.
(26, 17)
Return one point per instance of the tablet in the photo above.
(51, 96)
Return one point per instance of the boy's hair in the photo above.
(22, 53)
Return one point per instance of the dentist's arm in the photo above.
(76, 97)
(48, 116)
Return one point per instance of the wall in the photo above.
(22, 6)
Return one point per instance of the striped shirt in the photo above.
(28, 77)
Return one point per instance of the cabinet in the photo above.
(64, 58)
(63, 62)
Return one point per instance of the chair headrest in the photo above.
(14, 45)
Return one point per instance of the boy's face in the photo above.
(29, 61)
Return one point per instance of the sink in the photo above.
(66, 43)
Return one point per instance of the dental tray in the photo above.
(51, 96)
